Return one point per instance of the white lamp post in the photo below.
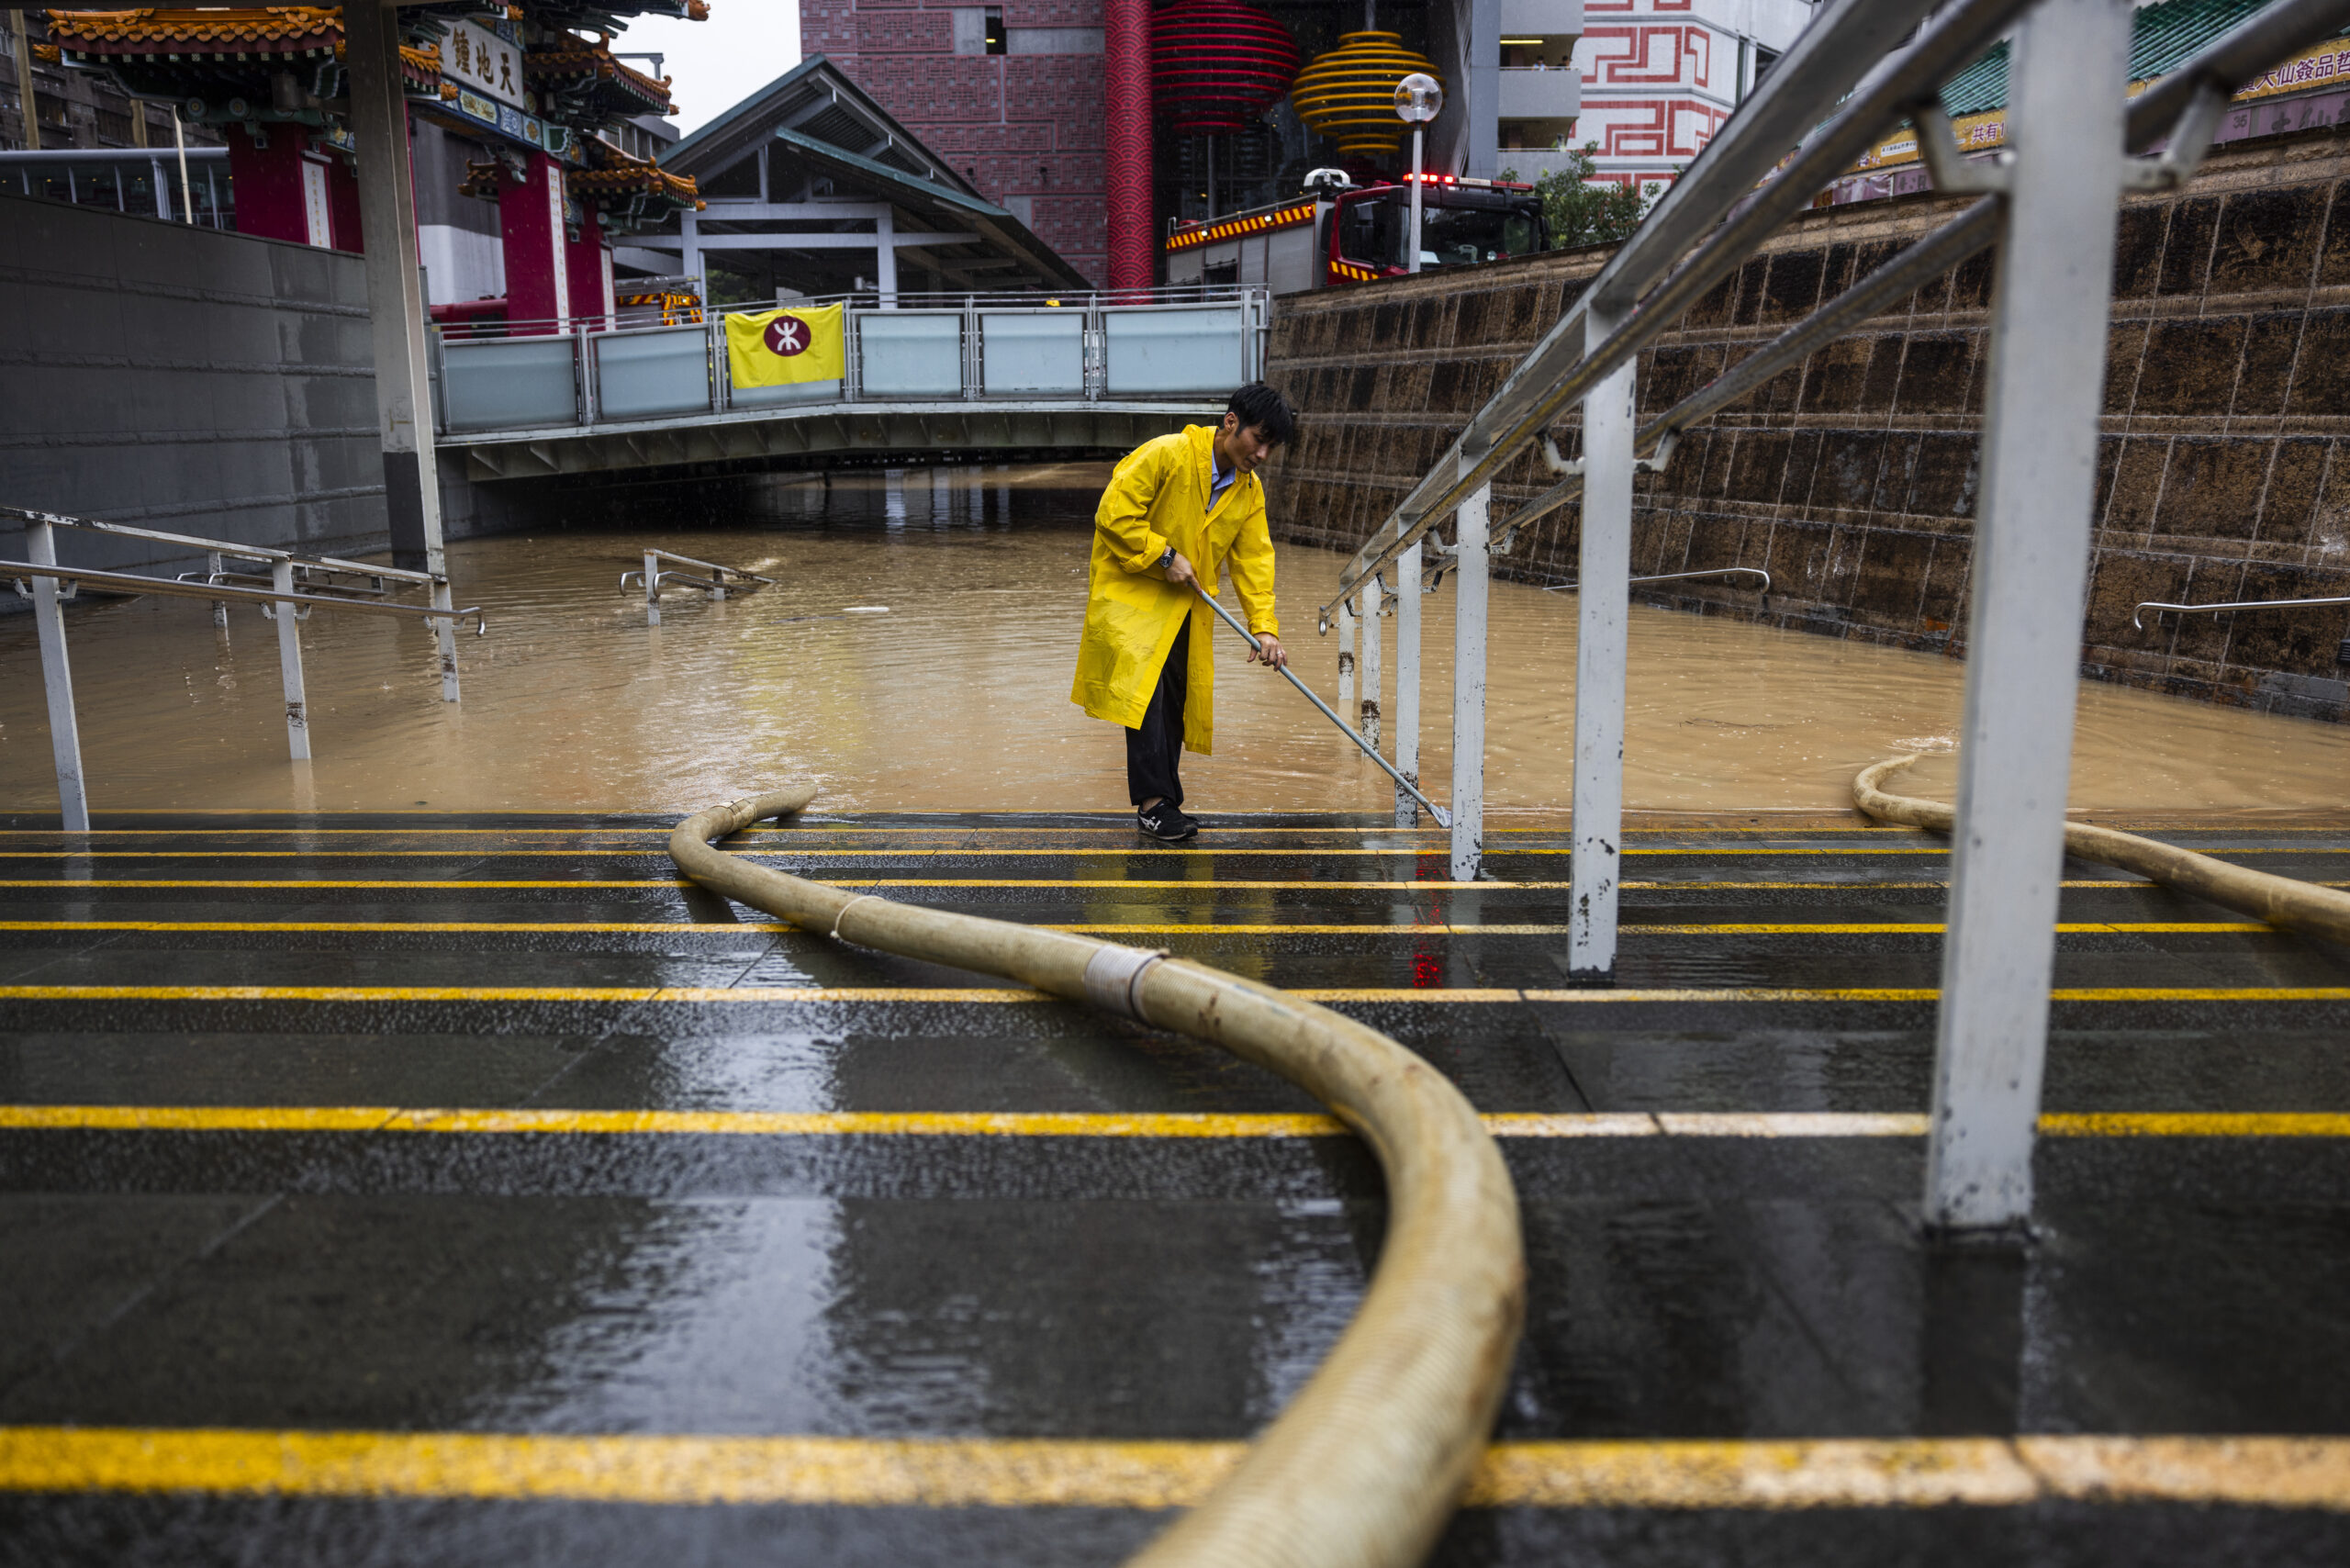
(1418, 98)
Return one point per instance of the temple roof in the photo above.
(583, 73)
(157, 29)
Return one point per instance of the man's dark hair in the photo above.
(1268, 410)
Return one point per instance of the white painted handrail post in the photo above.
(1603, 615)
(652, 589)
(1407, 683)
(445, 636)
(1366, 708)
(57, 677)
(220, 606)
(1346, 655)
(1469, 685)
(289, 664)
(2032, 543)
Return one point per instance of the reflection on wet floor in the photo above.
(389, 1133)
(956, 697)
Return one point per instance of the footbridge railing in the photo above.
(591, 373)
(50, 585)
(2077, 140)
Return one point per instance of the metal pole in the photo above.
(56, 674)
(1345, 654)
(289, 663)
(1412, 263)
(1602, 611)
(1367, 710)
(1327, 711)
(395, 308)
(652, 589)
(1469, 685)
(187, 191)
(1407, 683)
(220, 606)
(2047, 367)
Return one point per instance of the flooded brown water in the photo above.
(917, 655)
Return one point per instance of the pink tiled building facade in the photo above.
(1011, 95)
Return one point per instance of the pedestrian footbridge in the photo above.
(1069, 374)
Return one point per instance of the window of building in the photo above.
(114, 125)
(978, 29)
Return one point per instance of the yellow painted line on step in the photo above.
(943, 994)
(510, 994)
(1157, 852)
(417, 927)
(1199, 928)
(1207, 1126)
(1011, 1473)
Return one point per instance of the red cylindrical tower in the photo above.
(1125, 47)
(1218, 64)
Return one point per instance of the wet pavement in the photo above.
(388, 1134)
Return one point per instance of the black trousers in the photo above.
(1155, 748)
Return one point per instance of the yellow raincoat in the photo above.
(1159, 497)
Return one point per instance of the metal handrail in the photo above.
(224, 547)
(175, 588)
(652, 576)
(1643, 290)
(2233, 59)
(695, 561)
(2199, 84)
(1680, 576)
(2238, 604)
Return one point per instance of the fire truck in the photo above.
(1339, 232)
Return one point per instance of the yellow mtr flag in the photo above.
(777, 348)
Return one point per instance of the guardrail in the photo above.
(2147, 604)
(129, 179)
(586, 372)
(2049, 203)
(714, 585)
(42, 579)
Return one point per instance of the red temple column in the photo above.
(1126, 45)
(538, 267)
(589, 261)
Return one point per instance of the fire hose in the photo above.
(1370, 1459)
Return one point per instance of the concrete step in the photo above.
(586, 1215)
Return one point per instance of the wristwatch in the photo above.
(1168, 559)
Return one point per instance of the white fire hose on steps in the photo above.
(2279, 901)
(1370, 1459)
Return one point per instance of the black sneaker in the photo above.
(1165, 822)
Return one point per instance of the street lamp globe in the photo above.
(1418, 98)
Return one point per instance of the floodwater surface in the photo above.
(916, 655)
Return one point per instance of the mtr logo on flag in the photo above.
(781, 348)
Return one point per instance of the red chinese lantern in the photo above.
(1217, 65)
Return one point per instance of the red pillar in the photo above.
(591, 266)
(1125, 44)
(529, 221)
(342, 194)
(268, 182)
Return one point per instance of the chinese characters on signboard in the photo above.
(476, 59)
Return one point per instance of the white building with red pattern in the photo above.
(1660, 77)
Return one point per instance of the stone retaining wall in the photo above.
(2224, 469)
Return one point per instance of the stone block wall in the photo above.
(2224, 467)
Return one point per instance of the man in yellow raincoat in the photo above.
(1178, 511)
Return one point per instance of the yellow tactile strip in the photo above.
(1894, 1473)
(1208, 1125)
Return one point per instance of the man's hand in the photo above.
(1179, 572)
(1271, 654)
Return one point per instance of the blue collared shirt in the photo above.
(1222, 478)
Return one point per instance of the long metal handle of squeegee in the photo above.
(1344, 728)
